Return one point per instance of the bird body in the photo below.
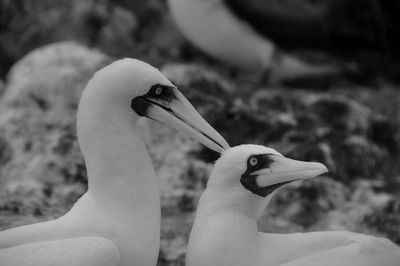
(65, 252)
(241, 184)
(212, 27)
(119, 216)
(290, 24)
(333, 26)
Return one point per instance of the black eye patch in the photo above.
(167, 93)
(250, 184)
(140, 105)
(249, 181)
(154, 96)
(263, 161)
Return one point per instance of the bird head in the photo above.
(138, 88)
(254, 172)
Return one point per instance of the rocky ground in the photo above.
(352, 127)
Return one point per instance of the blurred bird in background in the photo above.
(258, 35)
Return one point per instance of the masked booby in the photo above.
(214, 28)
(117, 221)
(241, 184)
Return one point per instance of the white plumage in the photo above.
(225, 230)
(117, 222)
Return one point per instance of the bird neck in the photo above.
(220, 206)
(235, 201)
(118, 165)
(122, 185)
(222, 227)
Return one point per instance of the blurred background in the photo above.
(348, 119)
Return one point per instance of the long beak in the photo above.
(284, 170)
(181, 115)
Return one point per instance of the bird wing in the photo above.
(44, 231)
(327, 25)
(88, 251)
(330, 248)
(350, 255)
(300, 22)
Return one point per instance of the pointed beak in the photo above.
(284, 170)
(277, 171)
(178, 113)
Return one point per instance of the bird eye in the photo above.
(158, 91)
(253, 161)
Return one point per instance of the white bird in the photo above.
(117, 222)
(213, 27)
(240, 186)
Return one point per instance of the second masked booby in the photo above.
(214, 28)
(117, 222)
(240, 186)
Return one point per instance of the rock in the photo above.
(38, 113)
(2, 87)
(341, 113)
(105, 26)
(365, 210)
(174, 239)
(386, 220)
(6, 152)
(201, 87)
(28, 25)
(357, 157)
(302, 204)
(386, 133)
(326, 204)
